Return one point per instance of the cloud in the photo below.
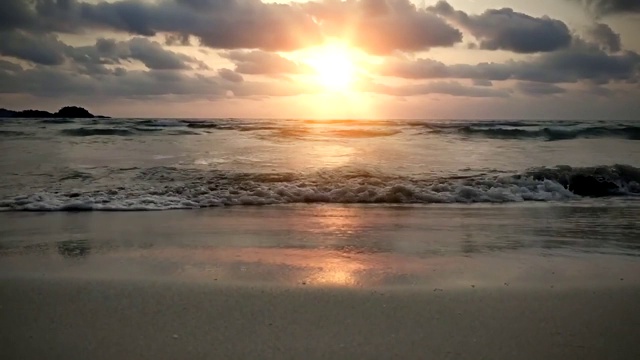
(40, 49)
(257, 62)
(452, 88)
(505, 29)
(602, 34)
(539, 89)
(382, 26)
(177, 40)
(378, 26)
(8, 66)
(47, 49)
(153, 55)
(582, 62)
(15, 14)
(230, 75)
(39, 15)
(224, 24)
(58, 82)
(606, 7)
(482, 82)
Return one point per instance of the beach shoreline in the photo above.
(321, 282)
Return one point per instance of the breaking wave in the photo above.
(314, 129)
(550, 133)
(358, 133)
(57, 121)
(9, 133)
(163, 188)
(85, 131)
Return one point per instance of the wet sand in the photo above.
(319, 282)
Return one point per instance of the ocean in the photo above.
(228, 238)
(164, 164)
(303, 200)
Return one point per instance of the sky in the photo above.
(426, 59)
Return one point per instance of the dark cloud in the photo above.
(39, 15)
(177, 39)
(599, 91)
(482, 82)
(58, 82)
(47, 49)
(230, 75)
(539, 89)
(106, 46)
(15, 14)
(505, 29)
(451, 88)
(8, 66)
(46, 81)
(379, 26)
(43, 49)
(605, 7)
(56, 15)
(583, 61)
(225, 24)
(382, 26)
(602, 34)
(261, 62)
(153, 56)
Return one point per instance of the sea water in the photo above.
(162, 164)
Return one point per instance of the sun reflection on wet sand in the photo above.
(321, 268)
(326, 245)
(284, 266)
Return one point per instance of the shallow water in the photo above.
(440, 246)
(158, 164)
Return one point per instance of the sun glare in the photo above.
(333, 65)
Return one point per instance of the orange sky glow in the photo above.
(324, 59)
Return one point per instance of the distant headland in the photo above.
(74, 112)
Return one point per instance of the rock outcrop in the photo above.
(70, 112)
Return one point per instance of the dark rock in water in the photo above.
(4, 113)
(585, 185)
(34, 114)
(73, 112)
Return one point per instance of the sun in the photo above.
(333, 65)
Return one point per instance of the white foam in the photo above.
(191, 196)
(163, 188)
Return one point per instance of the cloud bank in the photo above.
(506, 29)
(146, 49)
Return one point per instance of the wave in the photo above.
(146, 129)
(163, 188)
(57, 121)
(85, 131)
(361, 133)
(203, 125)
(552, 133)
(10, 133)
(182, 132)
(161, 123)
(305, 129)
(352, 122)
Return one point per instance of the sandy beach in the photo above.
(134, 320)
(321, 282)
